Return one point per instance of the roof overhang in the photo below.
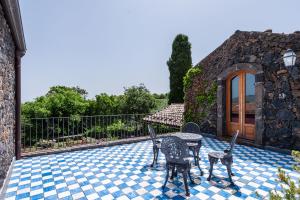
(11, 9)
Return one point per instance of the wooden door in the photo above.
(240, 104)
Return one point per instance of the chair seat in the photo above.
(190, 159)
(190, 144)
(217, 154)
(158, 145)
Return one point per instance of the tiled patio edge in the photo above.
(140, 139)
(90, 146)
(6, 180)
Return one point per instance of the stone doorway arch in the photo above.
(259, 93)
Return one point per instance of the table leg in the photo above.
(197, 152)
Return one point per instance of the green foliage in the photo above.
(137, 100)
(188, 78)
(120, 126)
(36, 108)
(64, 101)
(289, 189)
(189, 116)
(205, 99)
(160, 96)
(105, 104)
(160, 104)
(60, 101)
(179, 63)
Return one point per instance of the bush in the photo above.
(290, 189)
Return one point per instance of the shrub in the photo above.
(290, 190)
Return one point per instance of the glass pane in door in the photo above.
(250, 99)
(234, 99)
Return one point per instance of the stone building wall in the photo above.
(7, 97)
(281, 86)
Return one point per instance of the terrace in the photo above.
(247, 88)
(123, 172)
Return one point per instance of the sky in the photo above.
(106, 45)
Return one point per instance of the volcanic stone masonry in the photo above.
(7, 97)
(280, 110)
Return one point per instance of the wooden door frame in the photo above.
(242, 93)
(259, 94)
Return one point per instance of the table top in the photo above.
(190, 137)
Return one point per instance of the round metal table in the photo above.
(194, 142)
(188, 137)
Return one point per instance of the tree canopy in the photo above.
(62, 101)
(137, 99)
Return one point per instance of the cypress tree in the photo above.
(179, 63)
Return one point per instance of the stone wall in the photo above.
(281, 86)
(7, 97)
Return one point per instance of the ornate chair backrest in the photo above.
(232, 143)
(152, 134)
(190, 127)
(175, 150)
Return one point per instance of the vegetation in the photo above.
(205, 97)
(290, 190)
(137, 99)
(61, 101)
(188, 78)
(179, 63)
(72, 102)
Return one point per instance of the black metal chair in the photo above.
(192, 127)
(225, 157)
(156, 144)
(177, 156)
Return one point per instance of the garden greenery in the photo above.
(290, 190)
(205, 96)
(63, 101)
(188, 78)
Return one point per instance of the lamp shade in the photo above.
(289, 58)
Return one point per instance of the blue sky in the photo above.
(104, 45)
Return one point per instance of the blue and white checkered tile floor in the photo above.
(123, 172)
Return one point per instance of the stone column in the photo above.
(221, 108)
(259, 95)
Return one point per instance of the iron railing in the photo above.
(39, 134)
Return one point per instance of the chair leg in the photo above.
(201, 172)
(167, 177)
(157, 151)
(194, 154)
(211, 161)
(229, 172)
(173, 173)
(154, 154)
(191, 179)
(187, 192)
(197, 150)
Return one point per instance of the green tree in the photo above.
(60, 101)
(105, 105)
(137, 100)
(35, 108)
(81, 91)
(64, 102)
(179, 63)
